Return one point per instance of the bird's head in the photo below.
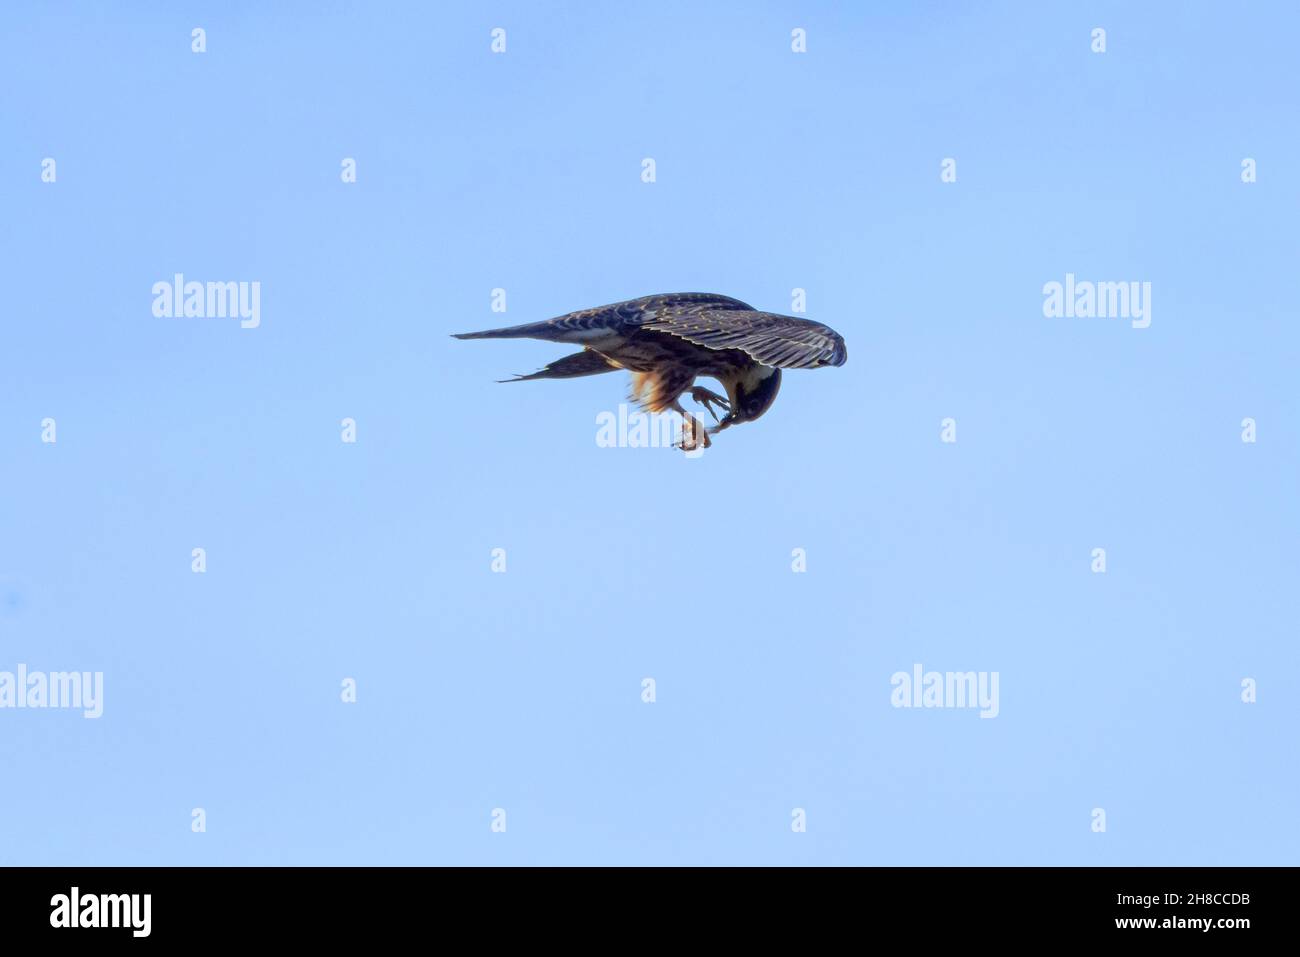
(751, 394)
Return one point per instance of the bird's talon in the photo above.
(694, 436)
(727, 421)
(708, 398)
(705, 396)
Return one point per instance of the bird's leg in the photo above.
(694, 435)
(708, 398)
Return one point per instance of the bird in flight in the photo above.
(667, 341)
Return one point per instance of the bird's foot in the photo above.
(694, 435)
(708, 399)
(728, 420)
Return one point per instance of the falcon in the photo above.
(667, 341)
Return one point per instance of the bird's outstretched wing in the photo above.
(782, 341)
(617, 317)
(704, 319)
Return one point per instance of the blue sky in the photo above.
(522, 691)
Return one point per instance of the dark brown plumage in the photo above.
(667, 341)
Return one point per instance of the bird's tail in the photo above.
(581, 363)
(529, 330)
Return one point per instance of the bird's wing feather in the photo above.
(581, 363)
(619, 317)
(782, 341)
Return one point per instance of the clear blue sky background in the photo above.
(522, 690)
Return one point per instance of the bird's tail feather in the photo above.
(581, 363)
(529, 330)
